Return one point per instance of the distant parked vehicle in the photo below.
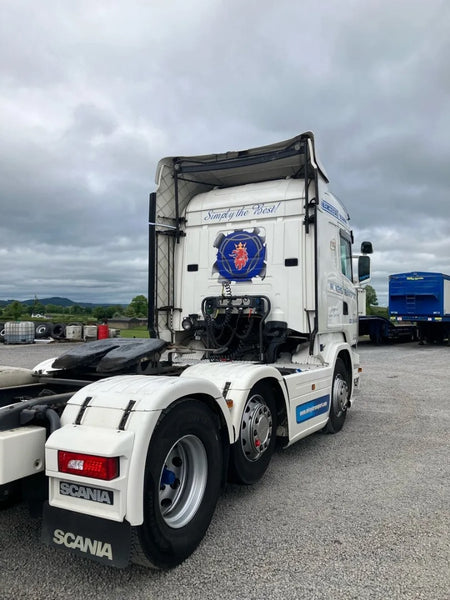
(424, 299)
(382, 331)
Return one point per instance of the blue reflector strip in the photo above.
(311, 409)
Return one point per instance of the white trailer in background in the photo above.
(253, 319)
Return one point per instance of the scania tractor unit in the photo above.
(253, 324)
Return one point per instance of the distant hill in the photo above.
(64, 302)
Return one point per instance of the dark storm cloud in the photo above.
(92, 94)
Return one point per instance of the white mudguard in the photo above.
(235, 379)
(116, 417)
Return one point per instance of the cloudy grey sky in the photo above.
(94, 92)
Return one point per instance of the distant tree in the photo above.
(138, 307)
(117, 310)
(53, 308)
(371, 298)
(76, 309)
(110, 312)
(37, 307)
(14, 310)
(103, 312)
(28, 309)
(99, 312)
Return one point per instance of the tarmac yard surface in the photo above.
(363, 514)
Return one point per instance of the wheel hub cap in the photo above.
(340, 395)
(256, 428)
(183, 481)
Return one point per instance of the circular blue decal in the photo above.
(241, 256)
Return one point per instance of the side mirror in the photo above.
(364, 269)
(366, 248)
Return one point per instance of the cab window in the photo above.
(346, 256)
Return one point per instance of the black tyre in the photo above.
(43, 330)
(182, 481)
(340, 395)
(2, 332)
(250, 455)
(59, 331)
(9, 494)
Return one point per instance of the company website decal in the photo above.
(332, 210)
(339, 289)
(311, 409)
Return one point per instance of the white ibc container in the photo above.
(19, 332)
(74, 332)
(90, 332)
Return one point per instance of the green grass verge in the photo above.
(138, 332)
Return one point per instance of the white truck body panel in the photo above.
(273, 208)
(13, 376)
(21, 452)
(275, 211)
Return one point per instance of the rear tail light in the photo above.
(100, 467)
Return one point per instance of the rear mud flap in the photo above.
(104, 541)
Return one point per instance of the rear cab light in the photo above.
(88, 465)
(88, 469)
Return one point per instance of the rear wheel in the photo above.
(250, 455)
(340, 395)
(182, 481)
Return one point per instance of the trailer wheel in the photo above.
(340, 394)
(182, 481)
(250, 455)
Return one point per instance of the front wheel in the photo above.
(182, 481)
(250, 455)
(340, 395)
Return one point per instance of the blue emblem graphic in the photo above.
(241, 255)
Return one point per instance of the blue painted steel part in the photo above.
(417, 296)
(313, 408)
(168, 477)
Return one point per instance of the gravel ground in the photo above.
(360, 515)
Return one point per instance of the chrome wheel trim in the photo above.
(256, 428)
(340, 395)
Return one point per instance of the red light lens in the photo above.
(99, 467)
